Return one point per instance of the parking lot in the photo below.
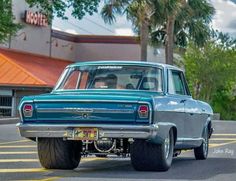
(18, 161)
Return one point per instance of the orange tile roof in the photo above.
(24, 69)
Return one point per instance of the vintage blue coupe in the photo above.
(123, 108)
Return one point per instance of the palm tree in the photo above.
(140, 12)
(171, 22)
(183, 20)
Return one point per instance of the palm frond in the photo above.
(113, 8)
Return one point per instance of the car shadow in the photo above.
(182, 169)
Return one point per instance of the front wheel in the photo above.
(146, 156)
(55, 153)
(201, 152)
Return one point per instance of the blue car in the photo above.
(124, 108)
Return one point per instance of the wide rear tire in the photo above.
(146, 156)
(54, 153)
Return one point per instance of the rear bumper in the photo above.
(149, 132)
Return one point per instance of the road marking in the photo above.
(45, 179)
(36, 160)
(91, 159)
(18, 146)
(51, 179)
(22, 170)
(18, 141)
(17, 160)
(31, 170)
(213, 144)
(18, 152)
(229, 134)
(221, 144)
(223, 139)
(228, 143)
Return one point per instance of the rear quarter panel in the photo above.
(169, 110)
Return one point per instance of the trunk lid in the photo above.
(100, 107)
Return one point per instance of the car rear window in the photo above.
(112, 77)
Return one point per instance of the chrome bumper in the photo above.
(105, 131)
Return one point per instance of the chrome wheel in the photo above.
(167, 146)
(205, 145)
(147, 156)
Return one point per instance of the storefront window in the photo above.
(5, 106)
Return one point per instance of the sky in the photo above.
(224, 20)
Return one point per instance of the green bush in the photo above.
(211, 73)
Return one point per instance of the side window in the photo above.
(72, 81)
(176, 83)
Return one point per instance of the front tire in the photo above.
(54, 153)
(146, 156)
(201, 152)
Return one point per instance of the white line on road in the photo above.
(17, 152)
(223, 134)
(10, 142)
(18, 160)
(18, 146)
(21, 170)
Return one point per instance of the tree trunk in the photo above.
(144, 40)
(170, 40)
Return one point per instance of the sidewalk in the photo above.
(9, 120)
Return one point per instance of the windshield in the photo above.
(111, 77)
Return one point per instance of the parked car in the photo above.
(123, 108)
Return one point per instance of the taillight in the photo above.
(143, 111)
(28, 110)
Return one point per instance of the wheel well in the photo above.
(175, 134)
(210, 129)
(209, 126)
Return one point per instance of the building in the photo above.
(32, 61)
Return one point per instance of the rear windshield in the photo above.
(111, 77)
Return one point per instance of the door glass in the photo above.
(176, 84)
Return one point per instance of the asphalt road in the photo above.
(18, 161)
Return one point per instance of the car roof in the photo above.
(118, 62)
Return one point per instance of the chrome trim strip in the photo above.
(189, 139)
(84, 110)
(188, 143)
(81, 100)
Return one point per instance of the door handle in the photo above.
(183, 101)
(191, 114)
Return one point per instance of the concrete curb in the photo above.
(9, 120)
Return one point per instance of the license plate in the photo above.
(86, 133)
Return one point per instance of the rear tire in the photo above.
(201, 152)
(54, 153)
(146, 156)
